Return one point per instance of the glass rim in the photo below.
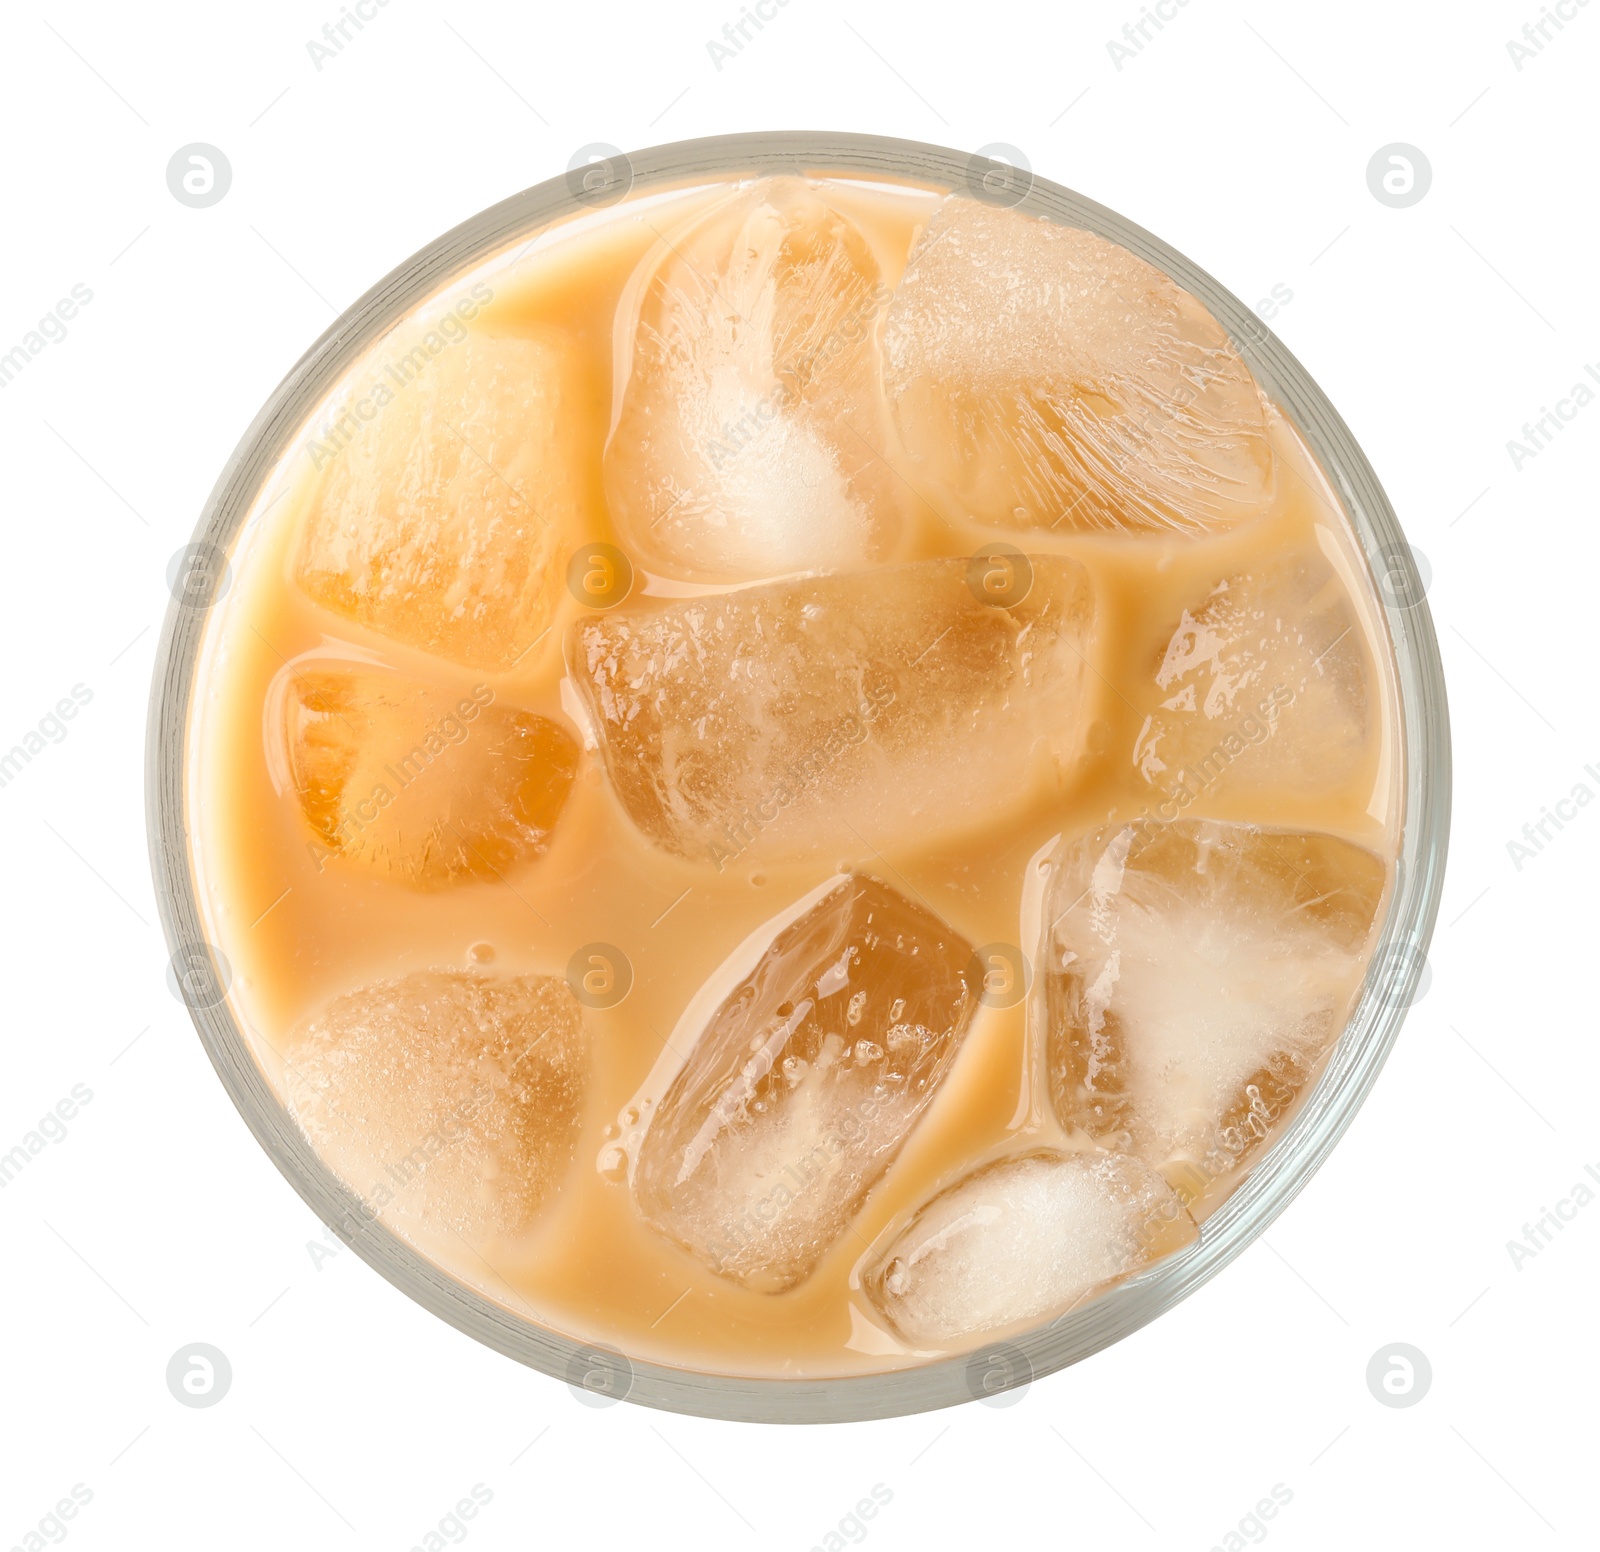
(1398, 955)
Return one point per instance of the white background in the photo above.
(1239, 134)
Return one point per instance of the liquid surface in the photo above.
(518, 849)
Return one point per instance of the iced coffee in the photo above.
(797, 776)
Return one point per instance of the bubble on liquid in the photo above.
(482, 953)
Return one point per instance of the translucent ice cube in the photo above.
(749, 432)
(877, 707)
(448, 1101)
(436, 520)
(804, 1083)
(1264, 681)
(423, 785)
(1042, 377)
(1024, 1239)
(1194, 974)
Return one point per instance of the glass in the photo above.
(1398, 958)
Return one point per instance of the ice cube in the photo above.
(749, 432)
(448, 1101)
(878, 707)
(1042, 377)
(437, 521)
(1195, 972)
(803, 1084)
(1023, 1239)
(1264, 681)
(424, 785)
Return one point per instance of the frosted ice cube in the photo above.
(1023, 1239)
(1264, 680)
(1194, 974)
(437, 522)
(749, 430)
(880, 707)
(1042, 377)
(448, 1101)
(798, 1093)
(424, 785)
